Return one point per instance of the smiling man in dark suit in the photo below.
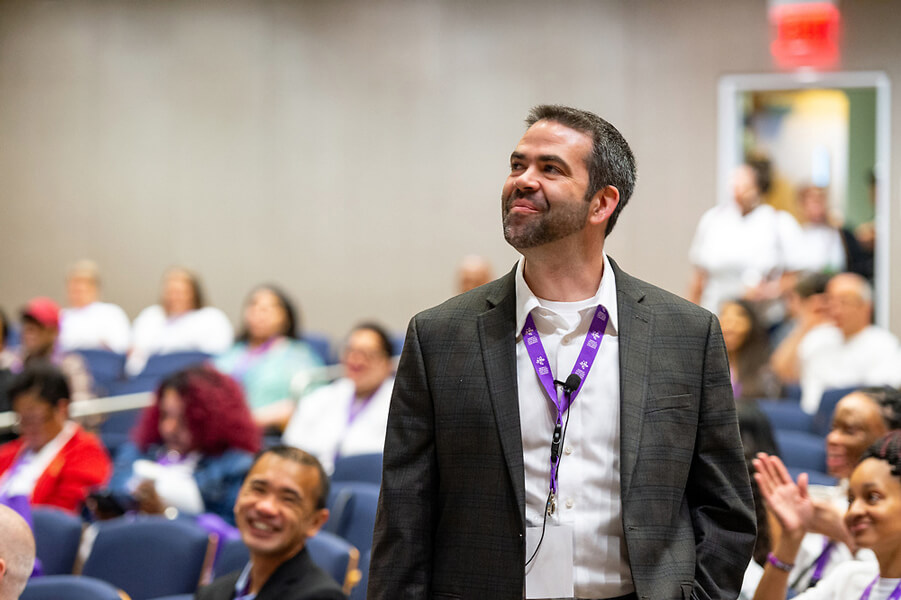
(566, 431)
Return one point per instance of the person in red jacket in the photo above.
(54, 462)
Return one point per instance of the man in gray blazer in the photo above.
(566, 431)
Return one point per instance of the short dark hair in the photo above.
(887, 448)
(292, 315)
(810, 284)
(44, 380)
(611, 161)
(384, 339)
(763, 173)
(301, 457)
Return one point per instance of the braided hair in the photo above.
(887, 448)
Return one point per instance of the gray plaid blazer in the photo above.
(451, 516)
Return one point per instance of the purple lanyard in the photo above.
(251, 356)
(822, 560)
(582, 367)
(895, 595)
(357, 406)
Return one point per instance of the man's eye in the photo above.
(516, 166)
(551, 169)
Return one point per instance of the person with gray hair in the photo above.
(16, 553)
(849, 350)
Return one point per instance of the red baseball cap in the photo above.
(43, 310)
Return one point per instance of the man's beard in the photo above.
(542, 228)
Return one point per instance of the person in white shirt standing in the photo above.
(88, 323)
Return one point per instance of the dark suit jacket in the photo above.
(451, 517)
(298, 578)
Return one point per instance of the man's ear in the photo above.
(603, 204)
(317, 520)
(2, 568)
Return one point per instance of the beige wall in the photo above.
(352, 151)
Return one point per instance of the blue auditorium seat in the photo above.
(822, 421)
(69, 587)
(106, 368)
(149, 557)
(800, 450)
(57, 535)
(786, 414)
(353, 506)
(360, 467)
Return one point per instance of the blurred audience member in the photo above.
(16, 553)
(847, 351)
(89, 323)
(179, 323)
(192, 447)
(821, 241)
(7, 360)
(743, 248)
(749, 351)
(350, 416)
(40, 330)
(54, 462)
(806, 308)
(268, 355)
(473, 272)
(281, 505)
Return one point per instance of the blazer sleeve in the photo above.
(401, 564)
(719, 491)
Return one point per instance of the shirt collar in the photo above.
(526, 301)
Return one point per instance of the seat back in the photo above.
(800, 450)
(359, 591)
(355, 504)
(105, 367)
(360, 467)
(786, 414)
(160, 366)
(321, 345)
(149, 557)
(337, 557)
(69, 587)
(57, 535)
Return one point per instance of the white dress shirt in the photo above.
(588, 483)
(204, 330)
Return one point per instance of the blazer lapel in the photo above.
(498, 344)
(635, 326)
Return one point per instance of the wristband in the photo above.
(771, 558)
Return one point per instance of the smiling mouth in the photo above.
(260, 526)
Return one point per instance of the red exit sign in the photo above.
(805, 35)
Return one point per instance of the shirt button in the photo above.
(568, 450)
(569, 503)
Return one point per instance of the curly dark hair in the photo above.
(216, 412)
(887, 448)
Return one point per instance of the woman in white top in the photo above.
(743, 248)
(349, 416)
(873, 520)
(87, 322)
(179, 323)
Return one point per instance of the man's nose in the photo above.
(527, 181)
(266, 505)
